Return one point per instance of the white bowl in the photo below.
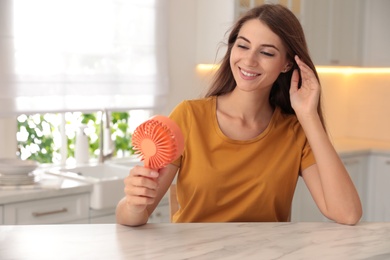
(17, 166)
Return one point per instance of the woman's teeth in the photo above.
(249, 74)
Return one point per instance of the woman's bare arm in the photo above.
(328, 180)
(144, 188)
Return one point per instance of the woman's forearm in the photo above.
(125, 216)
(342, 202)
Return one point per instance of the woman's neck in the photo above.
(248, 106)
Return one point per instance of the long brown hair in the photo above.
(284, 24)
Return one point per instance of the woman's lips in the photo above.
(248, 74)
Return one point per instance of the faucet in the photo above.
(105, 138)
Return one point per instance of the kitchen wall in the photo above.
(358, 105)
(184, 81)
(8, 128)
(372, 103)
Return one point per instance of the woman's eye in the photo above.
(242, 46)
(267, 54)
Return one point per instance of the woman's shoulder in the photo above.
(190, 112)
(201, 101)
(197, 104)
(190, 109)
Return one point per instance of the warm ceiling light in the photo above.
(207, 67)
(352, 70)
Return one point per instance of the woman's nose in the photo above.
(251, 58)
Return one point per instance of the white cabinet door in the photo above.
(334, 31)
(357, 167)
(1, 215)
(376, 34)
(379, 188)
(64, 209)
(304, 208)
(102, 216)
(161, 213)
(108, 219)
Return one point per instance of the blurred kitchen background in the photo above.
(74, 65)
(350, 36)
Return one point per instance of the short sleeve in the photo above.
(181, 116)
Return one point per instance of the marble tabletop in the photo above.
(197, 241)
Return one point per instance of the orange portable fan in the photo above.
(159, 141)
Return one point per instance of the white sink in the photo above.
(129, 161)
(107, 180)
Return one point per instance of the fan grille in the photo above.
(165, 146)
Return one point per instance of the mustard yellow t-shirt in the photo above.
(225, 180)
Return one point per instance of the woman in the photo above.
(258, 129)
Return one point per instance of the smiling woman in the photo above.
(83, 55)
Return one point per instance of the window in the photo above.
(51, 137)
(85, 55)
(64, 60)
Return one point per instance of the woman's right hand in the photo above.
(140, 188)
(144, 188)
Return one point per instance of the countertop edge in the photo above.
(68, 187)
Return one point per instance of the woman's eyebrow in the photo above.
(263, 45)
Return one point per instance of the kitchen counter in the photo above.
(49, 186)
(197, 241)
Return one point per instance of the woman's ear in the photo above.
(287, 67)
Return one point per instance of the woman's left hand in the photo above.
(304, 100)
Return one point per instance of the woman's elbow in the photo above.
(351, 217)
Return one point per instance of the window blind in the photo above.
(81, 55)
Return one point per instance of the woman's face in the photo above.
(257, 57)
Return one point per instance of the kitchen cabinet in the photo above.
(106, 219)
(379, 188)
(63, 209)
(348, 32)
(333, 31)
(1, 215)
(103, 216)
(304, 209)
(107, 216)
(161, 213)
(376, 33)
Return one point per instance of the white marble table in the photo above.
(197, 241)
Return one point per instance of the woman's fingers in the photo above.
(135, 181)
(304, 98)
(140, 195)
(141, 186)
(294, 81)
(308, 77)
(142, 171)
